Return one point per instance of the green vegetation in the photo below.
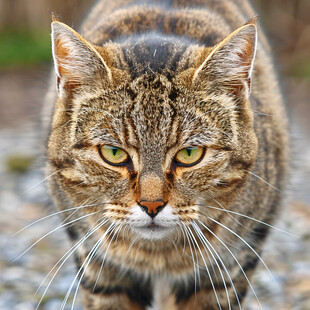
(24, 47)
(19, 163)
(301, 69)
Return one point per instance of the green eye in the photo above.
(190, 155)
(113, 155)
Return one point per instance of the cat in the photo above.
(167, 151)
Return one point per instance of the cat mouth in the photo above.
(152, 231)
(154, 227)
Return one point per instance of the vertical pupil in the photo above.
(189, 152)
(114, 150)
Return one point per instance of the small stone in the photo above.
(25, 306)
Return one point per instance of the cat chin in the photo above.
(153, 232)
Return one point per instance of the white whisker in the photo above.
(208, 244)
(115, 232)
(50, 232)
(197, 261)
(53, 214)
(236, 260)
(92, 230)
(43, 180)
(207, 269)
(259, 257)
(192, 254)
(260, 178)
(250, 218)
(86, 263)
(224, 209)
(134, 240)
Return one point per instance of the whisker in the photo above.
(71, 251)
(208, 244)
(116, 232)
(236, 260)
(248, 217)
(92, 230)
(260, 178)
(53, 214)
(184, 242)
(168, 238)
(259, 257)
(121, 226)
(50, 232)
(86, 262)
(134, 240)
(191, 250)
(208, 250)
(197, 261)
(224, 209)
(207, 269)
(43, 180)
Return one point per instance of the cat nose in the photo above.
(152, 208)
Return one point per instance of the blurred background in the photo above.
(25, 62)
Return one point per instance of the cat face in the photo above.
(150, 150)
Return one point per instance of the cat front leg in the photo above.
(215, 298)
(108, 301)
(107, 287)
(205, 300)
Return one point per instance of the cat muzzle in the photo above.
(152, 208)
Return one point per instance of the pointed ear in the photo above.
(230, 64)
(76, 60)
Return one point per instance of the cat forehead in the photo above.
(150, 97)
(152, 53)
(153, 111)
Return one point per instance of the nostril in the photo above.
(160, 208)
(152, 208)
(143, 208)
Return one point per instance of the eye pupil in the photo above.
(114, 150)
(189, 151)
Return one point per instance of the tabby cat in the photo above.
(167, 151)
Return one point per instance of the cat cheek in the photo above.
(70, 174)
(167, 217)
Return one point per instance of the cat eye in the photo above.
(113, 155)
(189, 156)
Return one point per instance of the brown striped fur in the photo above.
(153, 78)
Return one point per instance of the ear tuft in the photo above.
(54, 17)
(230, 63)
(76, 60)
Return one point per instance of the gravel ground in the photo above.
(23, 199)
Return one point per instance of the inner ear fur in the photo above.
(76, 60)
(230, 63)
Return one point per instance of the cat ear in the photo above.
(230, 64)
(76, 60)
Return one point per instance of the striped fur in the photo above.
(153, 78)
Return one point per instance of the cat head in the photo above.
(151, 130)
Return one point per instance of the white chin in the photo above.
(152, 233)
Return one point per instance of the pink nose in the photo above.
(152, 208)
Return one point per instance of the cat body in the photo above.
(168, 145)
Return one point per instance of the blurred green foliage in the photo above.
(300, 69)
(20, 47)
(19, 163)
